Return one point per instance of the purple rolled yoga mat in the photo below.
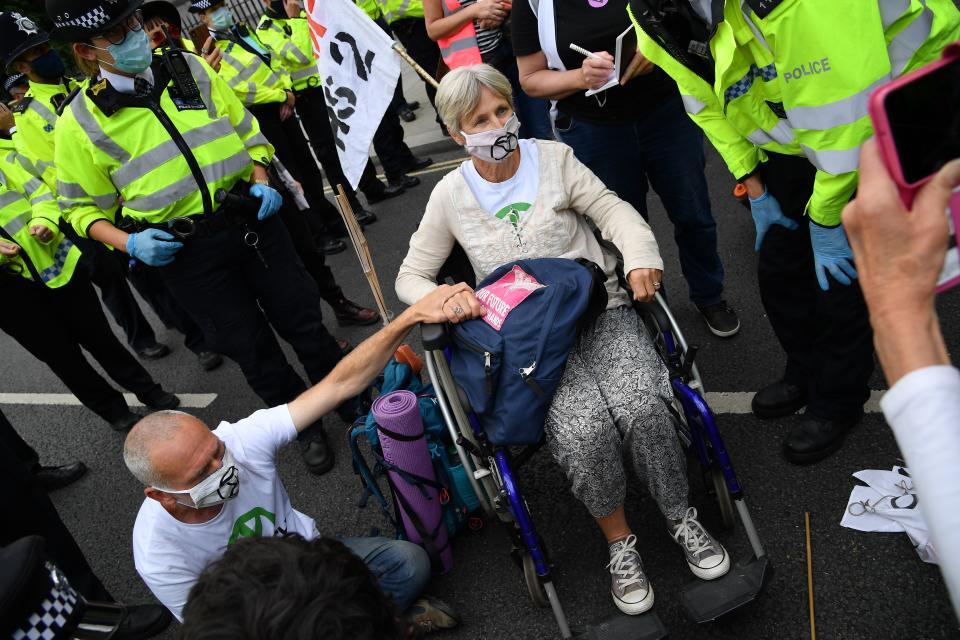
(399, 412)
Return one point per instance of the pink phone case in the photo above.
(888, 152)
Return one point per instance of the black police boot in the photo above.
(364, 217)
(406, 113)
(332, 246)
(413, 163)
(350, 313)
(405, 181)
(159, 400)
(143, 621)
(316, 452)
(816, 438)
(53, 478)
(778, 400)
(154, 351)
(125, 422)
(209, 360)
(385, 192)
(413, 106)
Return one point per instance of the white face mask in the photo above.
(220, 486)
(495, 145)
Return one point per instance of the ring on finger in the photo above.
(656, 285)
(458, 310)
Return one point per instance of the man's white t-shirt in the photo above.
(508, 200)
(170, 555)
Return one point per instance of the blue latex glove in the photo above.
(831, 252)
(154, 247)
(270, 200)
(766, 213)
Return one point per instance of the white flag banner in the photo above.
(359, 69)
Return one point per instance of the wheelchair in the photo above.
(491, 471)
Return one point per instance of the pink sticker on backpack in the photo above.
(504, 295)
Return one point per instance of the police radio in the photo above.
(185, 93)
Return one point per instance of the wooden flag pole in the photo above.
(427, 76)
(363, 252)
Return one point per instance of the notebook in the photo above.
(626, 49)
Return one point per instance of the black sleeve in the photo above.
(523, 27)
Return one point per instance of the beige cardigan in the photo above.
(554, 227)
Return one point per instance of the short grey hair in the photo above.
(156, 427)
(459, 92)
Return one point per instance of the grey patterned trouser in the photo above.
(611, 405)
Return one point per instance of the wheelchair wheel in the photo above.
(532, 580)
(728, 513)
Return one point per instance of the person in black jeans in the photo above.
(633, 136)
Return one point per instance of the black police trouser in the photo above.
(388, 142)
(150, 285)
(311, 255)
(238, 303)
(412, 33)
(312, 109)
(53, 325)
(30, 512)
(825, 334)
(110, 277)
(16, 446)
(293, 151)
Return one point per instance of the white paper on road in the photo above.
(893, 507)
(359, 69)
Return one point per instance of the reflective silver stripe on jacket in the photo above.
(59, 259)
(168, 150)
(834, 161)
(246, 125)
(781, 133)
(692, 105)
(297, 54)
(402, 9)
(458, 45)
(911, 38)
(306, 72)
(187, 185)
(9, 197)
(95, 132)
(67, 190)
(43, 111)
(834, 114)
(14, 225)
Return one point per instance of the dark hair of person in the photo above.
(288, 589)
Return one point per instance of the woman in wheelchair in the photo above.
(521, 199)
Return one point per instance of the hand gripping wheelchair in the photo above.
(491, 472)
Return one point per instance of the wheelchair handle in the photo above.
(435, 337)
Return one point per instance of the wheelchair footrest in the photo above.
(706, 601)
(646, 626)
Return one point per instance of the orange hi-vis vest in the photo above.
(460, 49)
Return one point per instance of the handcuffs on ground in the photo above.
(860, 507)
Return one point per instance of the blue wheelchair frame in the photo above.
(491, 468)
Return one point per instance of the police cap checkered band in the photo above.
(196, 6)
(12, 81)
(74, 20)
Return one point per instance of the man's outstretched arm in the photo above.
(355, 372)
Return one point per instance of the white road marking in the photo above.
(187, 400)
(739, 401)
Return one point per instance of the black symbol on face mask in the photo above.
(503, 146)
(229, 484)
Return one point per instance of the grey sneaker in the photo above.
(721, 319)
(707, 557)
(632, 592)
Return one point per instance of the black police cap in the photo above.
(76, 20)
(164, 10)
(17, 34)
(196, 6)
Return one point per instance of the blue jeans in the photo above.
(402, 568)
(663, 151)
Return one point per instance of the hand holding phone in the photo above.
(917, 122)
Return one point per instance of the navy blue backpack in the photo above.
(509, 362)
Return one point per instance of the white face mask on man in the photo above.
(495, 145)
(220, 486)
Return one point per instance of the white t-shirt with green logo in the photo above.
(508, 200)
(170, 555)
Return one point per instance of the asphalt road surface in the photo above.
(867, 585)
